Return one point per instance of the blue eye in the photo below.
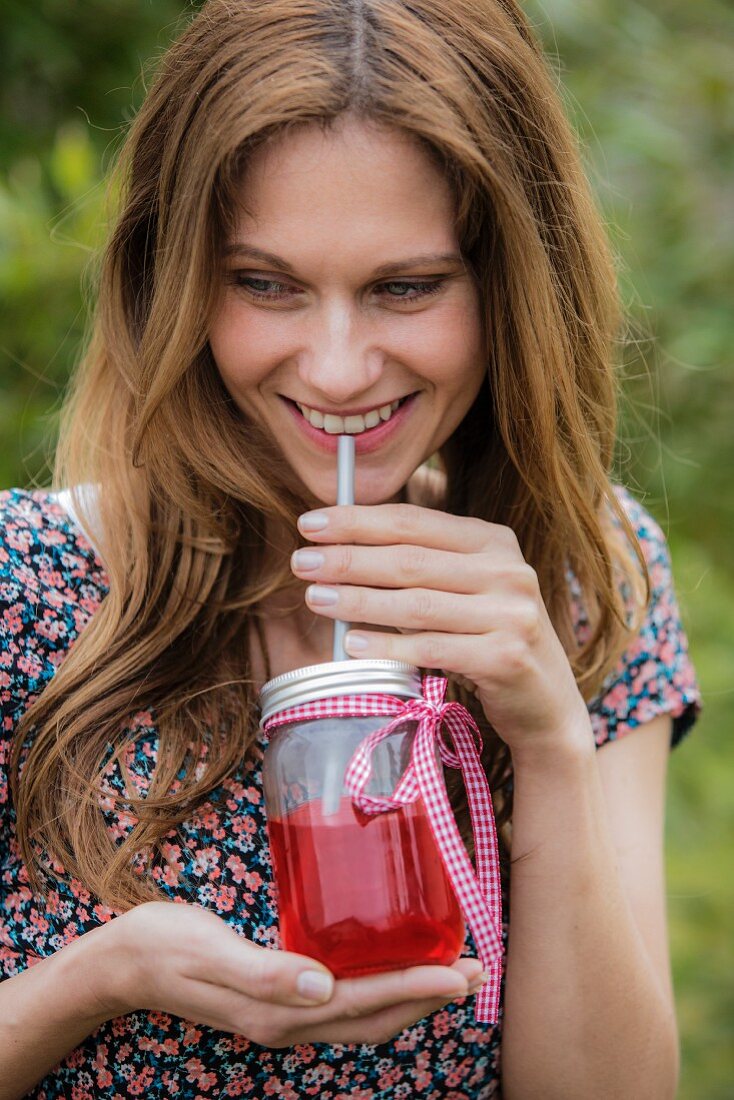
(257, 288)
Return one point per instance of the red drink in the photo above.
(364, 893)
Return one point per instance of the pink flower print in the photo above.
(103, 913)
(244, 825)
(646, 710)
(225, 898)
(617, 697)
(206, 819)
(50, 627)
(305, 1052)
(407, 1042)
(31, 665)
(160, 1020)
(253, 880)
(421, 1059)
(18, 539)
(198, 1075)
(138, 1082)
(172, 855)
(390, 1077)
(647, 673)
(238, 1086)
(192, 1035)
(40, 924)
(52, 537)
(457, 1074)
(237, 867)
(12, 620)
(206, 862)
(473, 1035)
(441, 1024)
(51, 577)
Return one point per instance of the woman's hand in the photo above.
(468, 601)
(184, 960)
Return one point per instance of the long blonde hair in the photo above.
(186, 483)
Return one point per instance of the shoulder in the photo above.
(655, 675)
(42, 546)
(649, 534)
(50, 583)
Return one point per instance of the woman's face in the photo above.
(321, 323)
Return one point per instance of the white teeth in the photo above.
(348, 425)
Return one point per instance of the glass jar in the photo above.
(359, 892)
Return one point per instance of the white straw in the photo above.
(344, 495)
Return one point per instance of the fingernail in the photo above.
(478, 982)
(308, 559)
(313, 521)
(314, 985)
(355, 642)
(321, 596)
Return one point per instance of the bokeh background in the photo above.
(650, 89)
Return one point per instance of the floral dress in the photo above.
(51, 583)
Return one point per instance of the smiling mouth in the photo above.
(332, 424)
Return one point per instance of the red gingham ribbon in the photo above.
(479, 895)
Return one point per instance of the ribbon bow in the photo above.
(479, 895)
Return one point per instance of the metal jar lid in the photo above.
(353, 677)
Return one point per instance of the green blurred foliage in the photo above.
(650, 89)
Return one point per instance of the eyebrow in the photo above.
(391, 268)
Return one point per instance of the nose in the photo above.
(337, 362)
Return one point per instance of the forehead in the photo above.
(356, 179)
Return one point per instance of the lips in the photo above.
(364, 442)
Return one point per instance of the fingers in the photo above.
(281, 1026)
(275, 977)
(414, 608)
(393, 567)
(377, 524)
(358, 997)
(384, 1024)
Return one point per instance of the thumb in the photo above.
(279, 977)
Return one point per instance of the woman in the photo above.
(365, 217)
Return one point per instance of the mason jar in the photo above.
(358, 892)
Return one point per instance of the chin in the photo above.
(363, 494)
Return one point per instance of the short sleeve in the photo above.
(50, 584)
(655, 674)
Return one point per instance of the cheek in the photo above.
(453, 348)
(226, 340)
(242, 352)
